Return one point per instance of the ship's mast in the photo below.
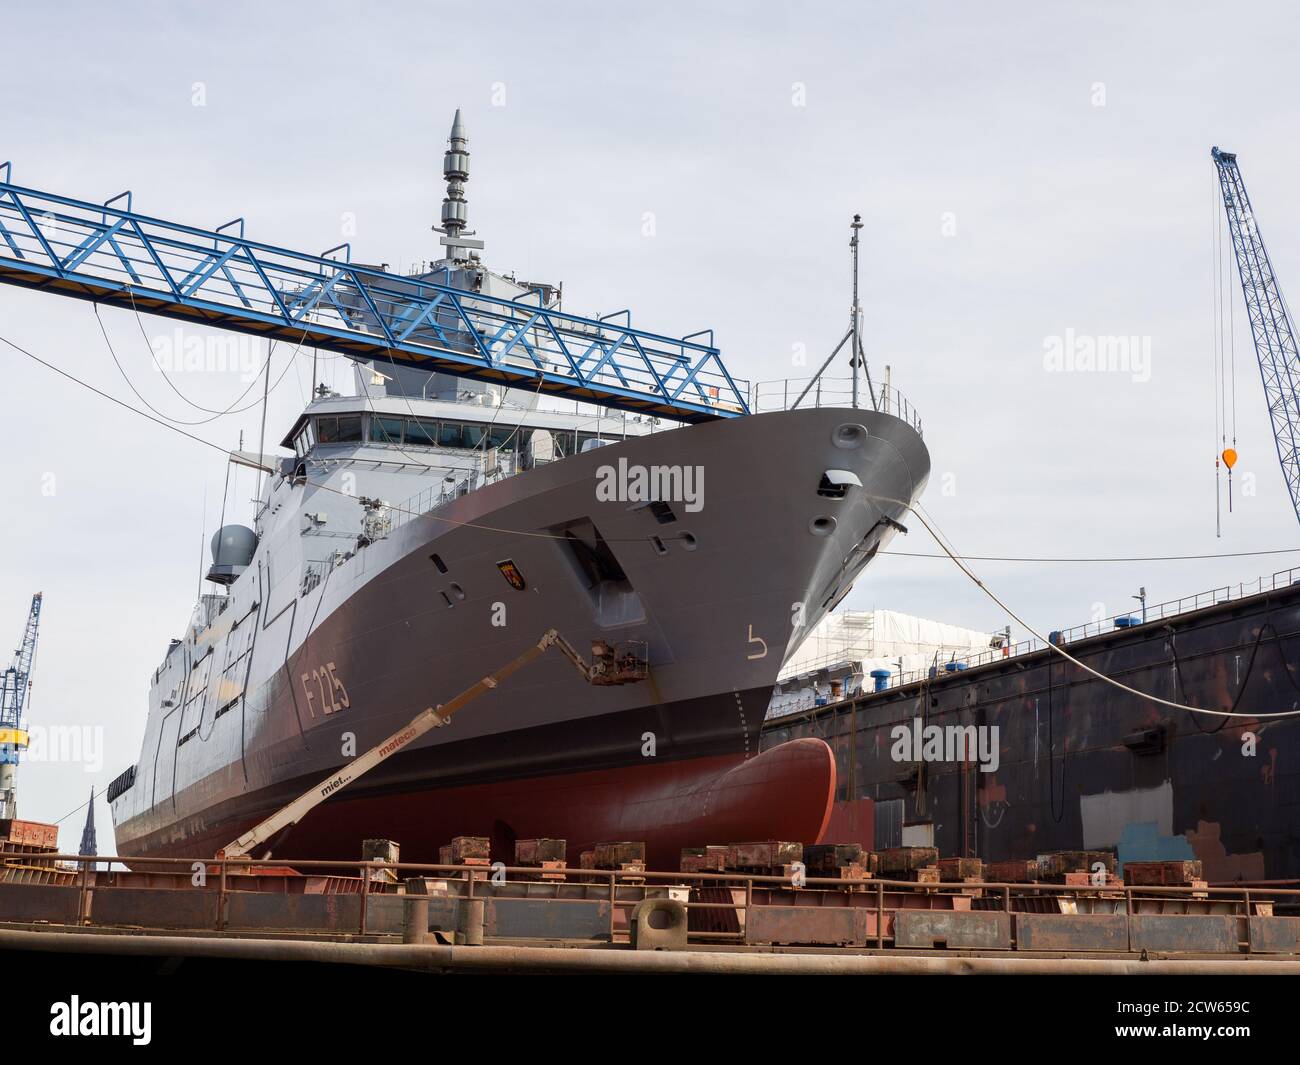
(855, 325)
(455, 208)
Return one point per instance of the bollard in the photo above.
(472, 922)
(658, 924)
(415, 919)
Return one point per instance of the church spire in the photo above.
(88, 833)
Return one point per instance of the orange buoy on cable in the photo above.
(1229, 457)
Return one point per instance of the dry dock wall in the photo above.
(1081, 764)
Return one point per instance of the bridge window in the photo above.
(503, 437)
(344, 429)
(421, 432)
(449, 434)
(386, 430)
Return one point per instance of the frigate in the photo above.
(418, 534)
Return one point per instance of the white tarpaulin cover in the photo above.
(854, 635)
(846, 646)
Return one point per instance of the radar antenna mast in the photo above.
(857, 359)
(455, 208)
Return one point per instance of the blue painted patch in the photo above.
(1142, 842)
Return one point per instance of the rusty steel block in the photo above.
(539, 851)
(809, 925)
(1045, 931)
(33, 902)
(966, 930)
(704, 859)
(380, 850)
(1162, 874)
(463, 847)
(1019, 871)
(30, 833)
(961, 870)
(692, 860)
(826, 858)
(616, 855)
(764, 854)
(1058, 863)
(1275, 935)
(1208, 934)
(906, 859)
(587, 860)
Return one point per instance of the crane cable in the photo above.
(1216, 338)
(200, 421)
(917, 509)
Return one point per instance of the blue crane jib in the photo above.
(13, 689)
(1271, 325)
(110, 254)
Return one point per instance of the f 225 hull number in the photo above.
(323, 689)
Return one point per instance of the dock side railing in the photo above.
(882, 898)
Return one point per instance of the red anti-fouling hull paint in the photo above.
(784, 793)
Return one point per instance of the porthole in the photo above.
(689, 541)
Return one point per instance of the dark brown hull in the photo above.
(1085, 766)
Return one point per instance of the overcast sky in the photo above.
(1024, 173)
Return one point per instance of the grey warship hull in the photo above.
(289, 677)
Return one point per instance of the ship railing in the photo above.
(435, 496)
(1116, 622)
(802, 394)
(729, 895)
